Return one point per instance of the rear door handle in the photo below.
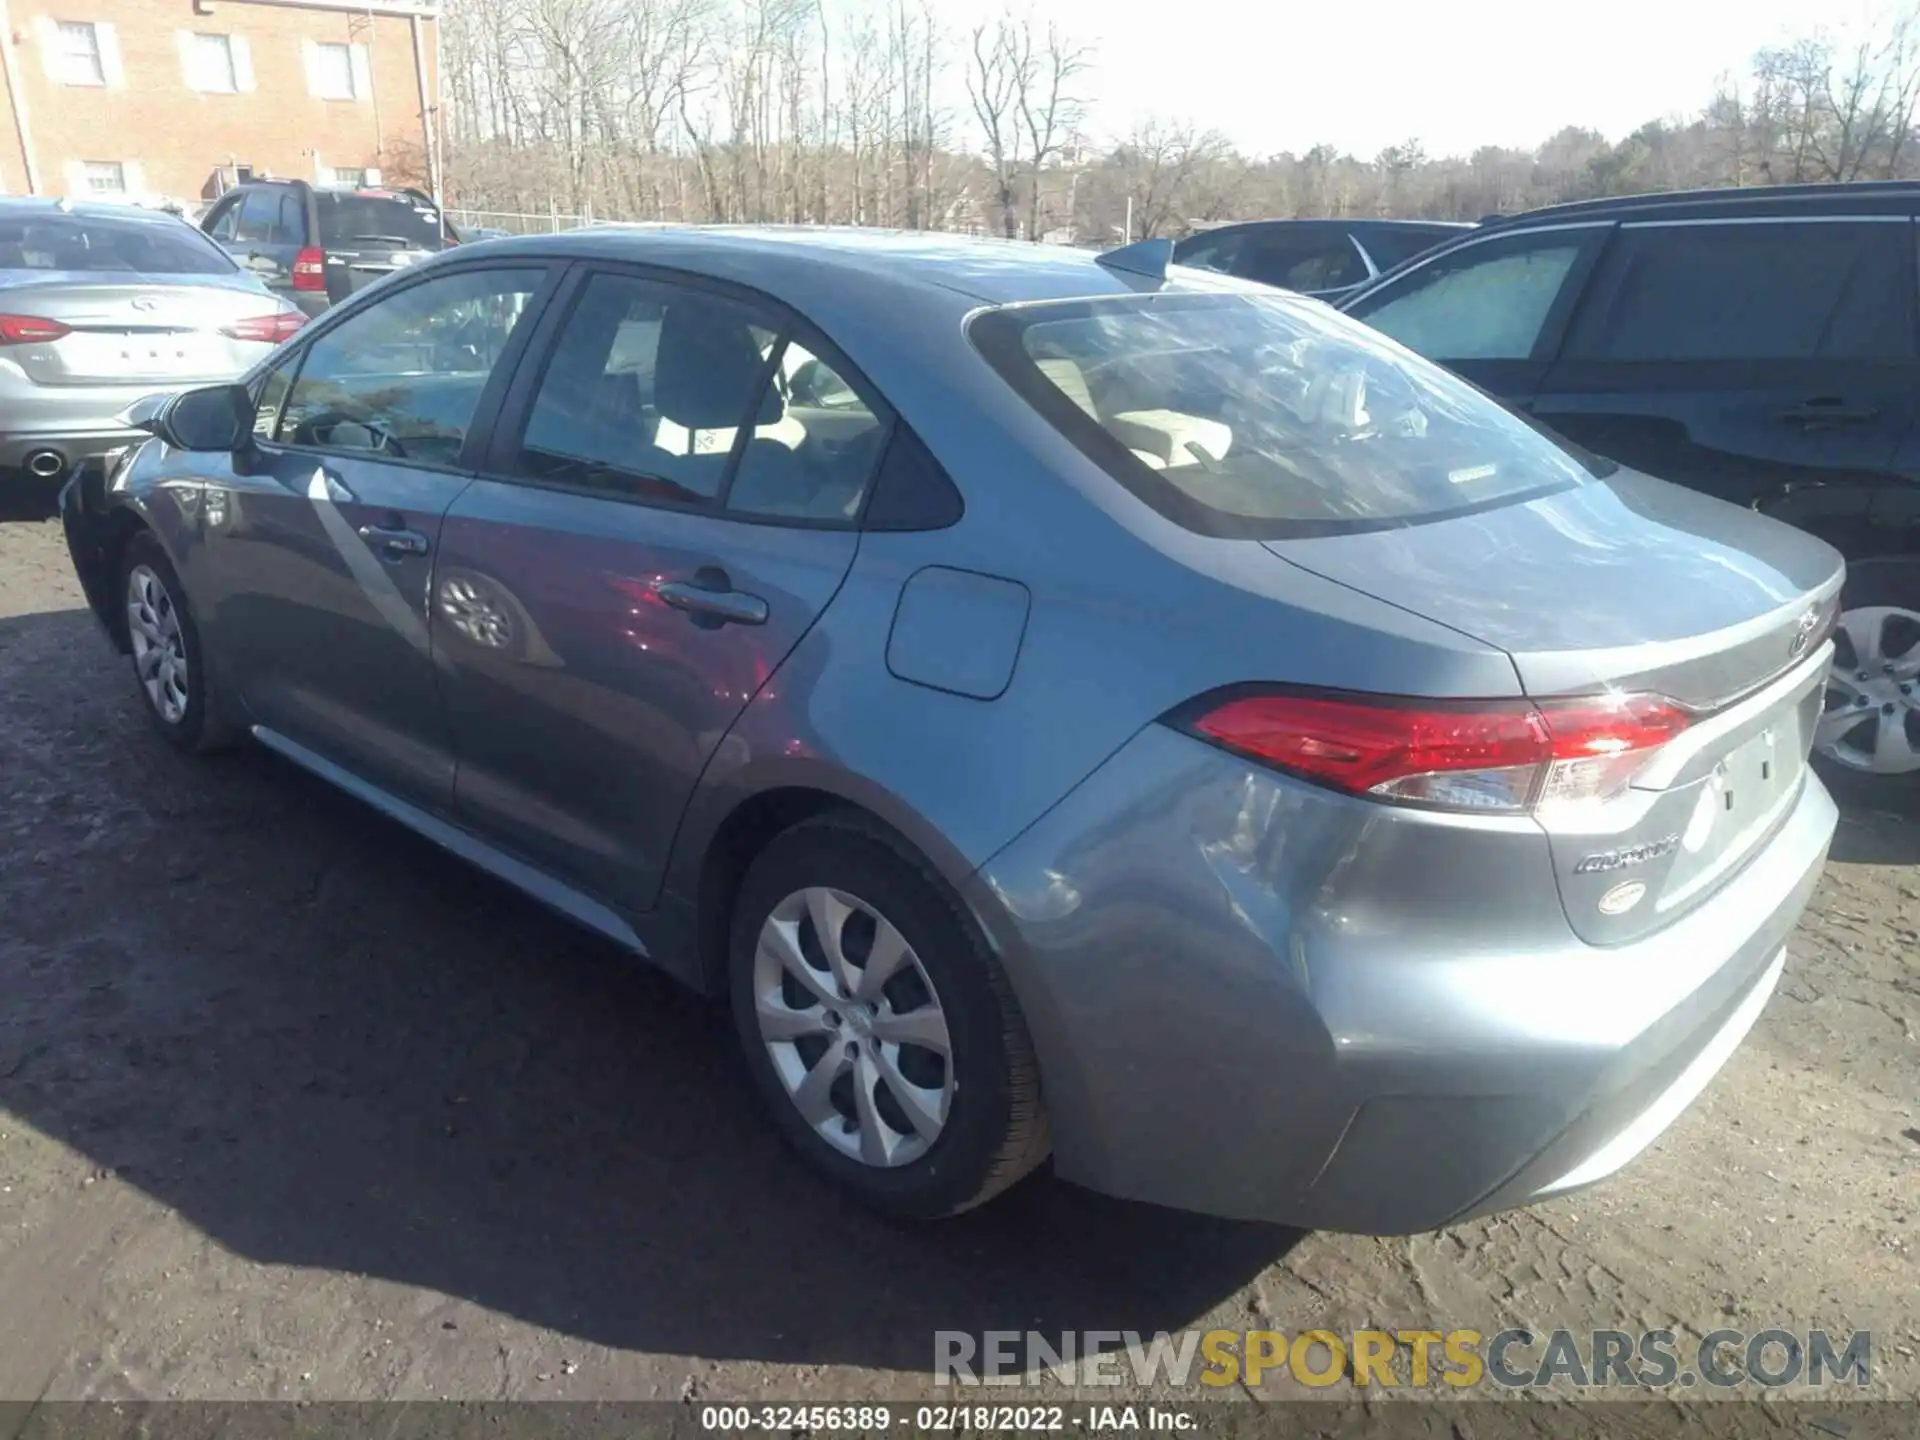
(712, 601)
(1828, 412)
(395, 542)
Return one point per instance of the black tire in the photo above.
(996, 1125)
(1889, 581)
(204, 723)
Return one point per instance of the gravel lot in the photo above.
(295, 1106)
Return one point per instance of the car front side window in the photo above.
(403, 377)
(1482, 302)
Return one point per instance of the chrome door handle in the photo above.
(394, 542)
(714, 606)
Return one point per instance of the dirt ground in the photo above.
(294, 1106)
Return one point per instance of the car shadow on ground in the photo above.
(325, 1043)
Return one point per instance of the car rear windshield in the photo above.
(370, 221)
(1266, 415)
(106, 243)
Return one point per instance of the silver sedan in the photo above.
(101, 305)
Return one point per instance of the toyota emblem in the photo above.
(146, 302)
(1803, 632)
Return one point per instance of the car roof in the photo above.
(26, 205)
(789, 261)
(1890, 196)
(1357, 226)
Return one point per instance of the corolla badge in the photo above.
(146, 302)
(1627, 855)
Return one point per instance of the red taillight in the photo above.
(30, 329)
(266, 329)
(310, 269)
(1501, 755)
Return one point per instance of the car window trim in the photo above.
(480, 433)
(1694, 222)
(516, 408)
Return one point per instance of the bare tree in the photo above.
(1159, 165)
(995, 77)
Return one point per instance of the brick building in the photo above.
(158, 100)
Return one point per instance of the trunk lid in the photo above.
(1630, 584)
(124, 330)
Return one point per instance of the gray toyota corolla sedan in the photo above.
(1067, 705)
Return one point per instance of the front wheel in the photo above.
(879, 1029)
(1869, 728)
(169, 663)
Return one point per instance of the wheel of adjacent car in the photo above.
(1869, 729)
(879, 1028)
(169, 665)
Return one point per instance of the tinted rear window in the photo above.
(103, 243)
(1256, 415)
(371, 221)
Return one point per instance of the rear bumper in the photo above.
(1258, 999)
(67, 445)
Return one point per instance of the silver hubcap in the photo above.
(853, 1027)
(1872, 711)
(159, 652)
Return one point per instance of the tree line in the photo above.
(874, 112)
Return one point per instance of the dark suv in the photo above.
(1760, 345)
(1324, 258)
(316, 245)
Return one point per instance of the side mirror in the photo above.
(213, 418)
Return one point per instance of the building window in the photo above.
(333, 72)
(76, 56)
(349, 175)
(209, 63)
(105, 177)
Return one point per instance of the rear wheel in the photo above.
(1869, 730)
(169, 665)
(880, 1030)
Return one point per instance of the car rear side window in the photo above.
(1773, 290)
(1325, 260)
(1488, 301)
(263, 218)
(1258, 415)
(817, 459)
(1212, 252)
(350, 220)
(646, 391)
(98, 243)
(1389, 247)
(402, 378)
